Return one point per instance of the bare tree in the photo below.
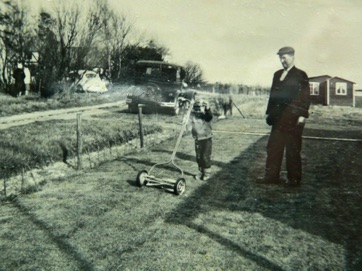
(15, 38)
(48, 63)
(194, 74)
(67, 29)
(117, 34)
(90, 35)
(66, 35)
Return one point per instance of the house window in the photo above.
(341, 88)
(314, 88)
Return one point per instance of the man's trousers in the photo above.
(289, 140)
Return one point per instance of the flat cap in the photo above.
(286, 50)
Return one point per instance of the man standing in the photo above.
(19, 77)
(286, 112)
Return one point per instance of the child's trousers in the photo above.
(203, 150)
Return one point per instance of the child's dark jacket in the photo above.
(201, 126)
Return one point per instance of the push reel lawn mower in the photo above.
(178, 186)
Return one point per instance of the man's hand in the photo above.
(301, 121)
(269, 120)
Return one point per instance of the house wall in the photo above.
(321, 98)
(342, 100)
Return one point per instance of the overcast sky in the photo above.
(235, 41)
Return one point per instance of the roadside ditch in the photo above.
(31, 180)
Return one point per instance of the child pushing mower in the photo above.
(197, 119)
(200, 122)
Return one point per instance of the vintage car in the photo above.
(159, 87)
(90, 81)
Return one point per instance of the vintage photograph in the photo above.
(180, 135)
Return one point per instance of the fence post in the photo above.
(79, 141)
(140, 123)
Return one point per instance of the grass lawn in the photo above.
(100, 219)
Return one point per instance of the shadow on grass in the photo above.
(130, 161)
(326, 205)
(188, 157)
(82, 262)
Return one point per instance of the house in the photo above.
(327, 90)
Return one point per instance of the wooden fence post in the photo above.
(79, 142)
(140, 123)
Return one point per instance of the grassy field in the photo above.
(41, 143)
(99, 219)
(25, 104)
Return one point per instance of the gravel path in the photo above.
(68, 113)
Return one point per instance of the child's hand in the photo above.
(206, 105)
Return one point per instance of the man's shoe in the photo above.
(206, 177)
(207, 174)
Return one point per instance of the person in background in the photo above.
(200, 120)
(225, 102)
(286, 112)
(27, 79)
(19, 77)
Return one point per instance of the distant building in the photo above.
(358, 98)
(327, 90)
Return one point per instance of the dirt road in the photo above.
(68, 113)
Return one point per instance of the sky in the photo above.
(235, 41)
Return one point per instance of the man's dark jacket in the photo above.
(289, 99)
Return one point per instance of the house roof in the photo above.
(321, 78)
(339, 78)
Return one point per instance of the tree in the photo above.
(194, 74)
(87, 51)
(66, 36)
(117, 32)
(15, 39)
(134, 52)
(48, 46)
(67, 18)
